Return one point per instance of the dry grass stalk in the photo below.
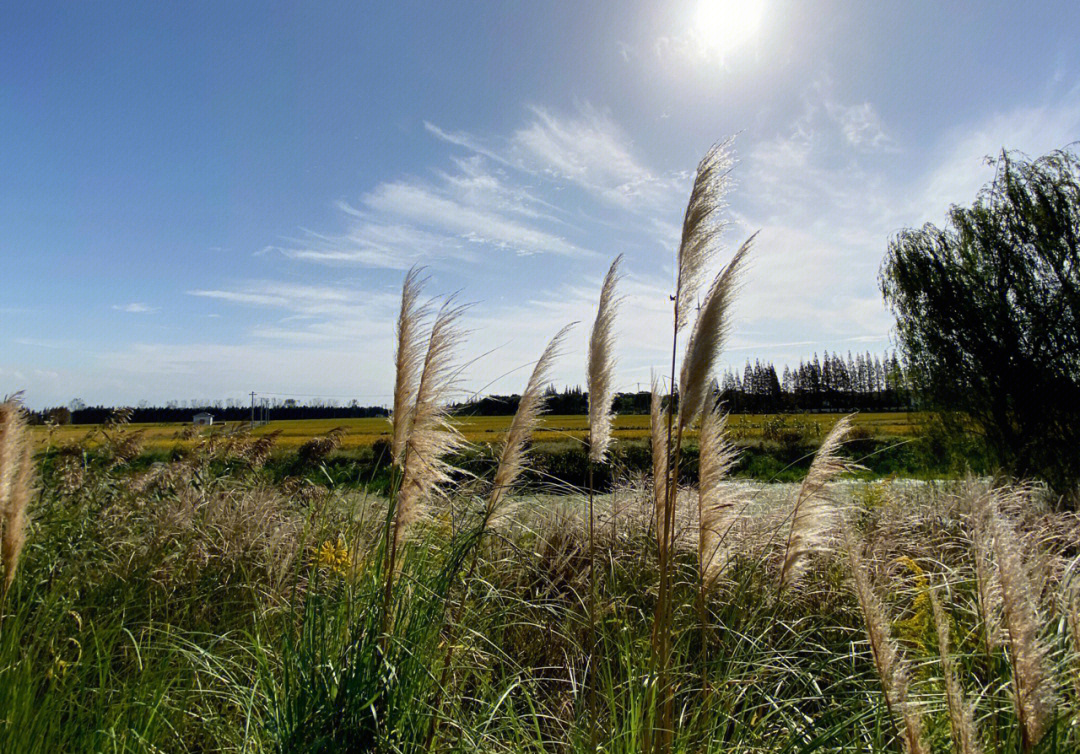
(408, 360)
(16, 470)
(527, 416)
(814, 513)
(701, 228)
(9, 450)
(601, 369)
(986, 582)
(708, 336)
(660, 459)
(1073, 618)
(1033, 684)
(889, 664)
(430, 437)
(961, 720)
(716, 508)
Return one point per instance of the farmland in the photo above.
(361, 433)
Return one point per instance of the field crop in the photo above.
(487, 429)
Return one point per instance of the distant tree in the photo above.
(988, 313)
(60, 415)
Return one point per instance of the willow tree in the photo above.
(988, 314)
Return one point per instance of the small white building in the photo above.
(203, 420)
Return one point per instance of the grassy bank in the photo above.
(205, 604)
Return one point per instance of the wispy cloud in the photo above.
(961, 166)
(136, 307)
(586, 149)
(313, 313)
(482, 204)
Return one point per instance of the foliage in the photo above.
(179, 608)
(988, 313)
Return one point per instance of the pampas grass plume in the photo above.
(814, 511)
(961, 720)
(408, 360)
(715, 508)
(1033, 684)
(889, 664)
(660, 459)
(16, 470)
(601, 368)
(430, 436)
(526, 418)
(701, 228)
(708, 336)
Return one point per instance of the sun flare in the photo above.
(725, 25)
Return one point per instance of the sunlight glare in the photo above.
(725, 25)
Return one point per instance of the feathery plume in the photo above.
(890, 665)
(16, 469)
(527, 416)
(15, 524)
(715, 508)
(701, 228)
(1073, 618)
(1033, 684)
(9, 450)
(986, 582)
(408, 359)
(660, 458)
(961, 719)
(430, 436)
(601, 368)
(814, 510)
(707, 337)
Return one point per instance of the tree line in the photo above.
(829, 383)
(222, 412)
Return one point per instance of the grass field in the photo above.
(489, 429)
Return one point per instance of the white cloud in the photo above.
(587, 150)
(962, 168)
(481, 206)
(135, 308)
(492, 226)
(860, 124)
(316, 314)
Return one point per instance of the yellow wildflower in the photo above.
(333, 556)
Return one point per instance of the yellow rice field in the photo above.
(489, 429)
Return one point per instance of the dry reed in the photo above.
(708, 336)
(716, 507)
(660, 460)
(961, 720)
(814, 513)
(513, 455)
(889, 664)
(430, 437)
(16, 471)
(1033, 685)
(600, 374)
(408, 360)
(701, 229)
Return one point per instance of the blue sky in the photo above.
(199, 200)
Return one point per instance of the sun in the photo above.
(722, 26)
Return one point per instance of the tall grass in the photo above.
(201, 603)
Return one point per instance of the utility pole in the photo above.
(252, 408)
